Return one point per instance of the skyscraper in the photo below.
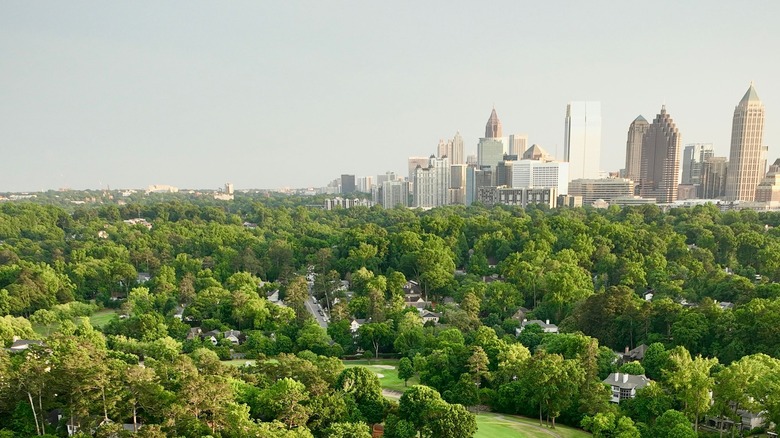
(713, 178)
(659, 174)
(636, 131)
(347, 184)
(694, 155)
(432, 183)
(491, 148)
(747, 159)
(457, 156)
(517, 144)
(493, 126)
(582, 139)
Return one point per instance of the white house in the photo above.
(624, 386)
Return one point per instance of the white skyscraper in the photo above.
(582, 139)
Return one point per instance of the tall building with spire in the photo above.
(636, 130)
(491, 148)
(659, 173)
(493, 126)
(582, 139)
(747, 159)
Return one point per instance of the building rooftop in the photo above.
(750, 95)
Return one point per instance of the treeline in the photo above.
(715, 311)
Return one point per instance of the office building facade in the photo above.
(659, 174)
(636, 132)
(582, 139)
(747, 158)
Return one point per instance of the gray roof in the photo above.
(640, 119)
(750, 95)
(627, 381)
(538, 322)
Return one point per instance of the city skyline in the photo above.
(100, 95)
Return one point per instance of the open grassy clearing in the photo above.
(493, 425)
(97, 319)
(387, 370)
(238, 362)
(102, 317)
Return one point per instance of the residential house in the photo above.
(637, 354)
(412, 288)
(748, 421)
(624, 386)
(273, 297)
(20, 345)
(430, 316)
(355, 324)
(195, 332)
(212, 336)
(521, 314)
(545, 325)
(235, 337)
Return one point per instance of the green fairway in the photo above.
(386, 370)
(492, 425)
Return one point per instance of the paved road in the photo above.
(313, 308)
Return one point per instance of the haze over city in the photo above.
(294, 94)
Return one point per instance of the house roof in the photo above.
(429, 314)
(538, 322)
(23, 344)
(638, 353)
(627, 381)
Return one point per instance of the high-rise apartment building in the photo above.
(582, 139)
(394, 193)
(636, 131)
(432, 183)
(518, 143)
(365, 184)
(413, 163)
(659, 174)
(747, 159)
(388, 176)
(694, 155)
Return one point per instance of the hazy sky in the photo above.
(281, 93)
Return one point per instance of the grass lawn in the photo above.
(388, 376)
(493, 425)
(102, 317)
(238, 362)
(97, 319)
